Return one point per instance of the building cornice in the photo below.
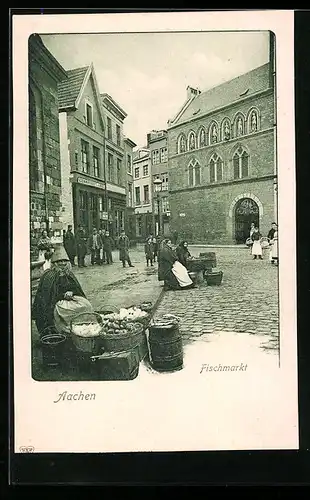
(116, 109)
(224, 183)
(130, 142)
(197, 118)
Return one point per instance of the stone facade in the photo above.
(158, 146)
(44, 150)
(130, 210)
(143, 196)
(223, 156)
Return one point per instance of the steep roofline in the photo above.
(58, 70)
(90, 71)
(220, 108)
(188, 102)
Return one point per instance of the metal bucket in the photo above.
(53, 346)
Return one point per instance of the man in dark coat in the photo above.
(123, 245)
(149, 251)
(70, 244)
(107, 247)
(56, 283)
(81, 246)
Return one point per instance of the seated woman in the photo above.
(183, 253)
(57, 284)
(171, 271)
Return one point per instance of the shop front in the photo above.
(89, 204)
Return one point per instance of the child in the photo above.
(256, 247)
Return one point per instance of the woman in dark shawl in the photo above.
(56, 284)
(182, 253)
(167, 258)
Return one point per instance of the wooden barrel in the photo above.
(166, 348)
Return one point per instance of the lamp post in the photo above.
(158, 183)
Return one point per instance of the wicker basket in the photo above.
(90, 344)
(118, 342)
(264, 242)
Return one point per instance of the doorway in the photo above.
(246, 212)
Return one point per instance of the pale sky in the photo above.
(147, 73)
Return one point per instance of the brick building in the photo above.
(44, 152)
(82, 149)
(142, 193)
(222, 161)
(157, 144)
(130, 209)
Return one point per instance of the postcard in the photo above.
(154, 259)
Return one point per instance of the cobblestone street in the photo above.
(245, 303)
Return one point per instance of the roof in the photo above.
(225, 94)
(117, 107)
(130, 142)
(39, 51)
(69, 89)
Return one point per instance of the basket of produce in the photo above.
(249, 242)
(264, 242)
(194, 265)
(119, 335)
(85, 332)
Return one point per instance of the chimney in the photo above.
(191, 92)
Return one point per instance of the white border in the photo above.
(190, 417)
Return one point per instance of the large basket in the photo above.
(91, 344)
(118, 342)
(264, 242)
(53, 347)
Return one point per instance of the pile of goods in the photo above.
(166, 320)
(87, 329)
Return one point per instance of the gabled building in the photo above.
(84, 193)
(222, 159)
(44, 148)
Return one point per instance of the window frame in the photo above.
(218, 165)
(146, 201)
(118, 171)
(109, 128)
(86, 152)
(118, 134)
(110, 167)
(193, 166)
(89, 105)
(137, 201)
(96, 157)
(147, 170)
(137, 169)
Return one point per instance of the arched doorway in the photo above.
(246, 212)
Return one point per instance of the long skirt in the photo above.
(257, 248)
(274, 250)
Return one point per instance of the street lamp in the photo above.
(158, 184)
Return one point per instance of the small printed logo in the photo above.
(26, 449)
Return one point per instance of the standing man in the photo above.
(123, 245)
(81, 245)
(70, 244)
(102, 252)
(108, 244)
(95, 245)
(175, 237)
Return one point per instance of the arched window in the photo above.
(226, 130)
(253, 121)
(202, 138)
(194, 173)
(191, 141)
(181, 144)
(239, 125)
(213, 133)
(216, 168)
(241, 163)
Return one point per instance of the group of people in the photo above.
(256, 245)
(99, 244)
